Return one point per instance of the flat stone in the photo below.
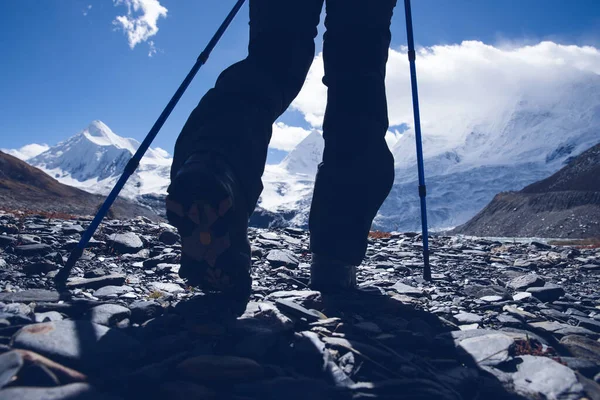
(10, 364)
(488, 350)
(548, 293)
(3, 263)
(492, 299)
(407, 290)
(81, 345)
(108, 314)
(545, 378)
(229, 369)
(172, 288)
(526, 281)
(74, 391)
(522, 314)
(127, 242)
(96, 283)
(591, 267)
(562, 329)
(521, 296)
(31, 295)
(468, 318)
(583, 347)
(72, 229)
(508, 320)
(282, 258)
(112, 291)
(29, 250)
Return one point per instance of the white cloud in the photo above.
(462, 84)
(287, 137)
(87, 10)
(28, 151)
(140, 23)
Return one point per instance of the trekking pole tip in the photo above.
(60, 280)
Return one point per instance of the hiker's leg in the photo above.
(235, 118)
(357, 171)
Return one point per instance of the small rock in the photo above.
(48, 316)
(112, 291)
(282, 258)
(542, 376)
(488, 350)
(96, 283)
(407, 290)
(521, 296)
(468, 318)
(583, 347)
(108, 314)
(172, 288)
(526, 281)
(127, 242)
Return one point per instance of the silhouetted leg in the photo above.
(235, 118)
(357, 171)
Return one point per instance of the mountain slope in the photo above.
(23, 187)
(564, 205)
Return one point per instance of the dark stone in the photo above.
(547, 293)
(10, 365)
(29, 250)
(81, 345)
(74, 391)
(142, 311)
(40, 267)
(169, 238)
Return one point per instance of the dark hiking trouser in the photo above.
(235, 118)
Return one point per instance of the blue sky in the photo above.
(65, 64)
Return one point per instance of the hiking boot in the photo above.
(328, 275)
(206, 205)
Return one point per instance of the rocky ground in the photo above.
(499, 320)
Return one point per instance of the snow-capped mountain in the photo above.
(524, 140)
(94, 159)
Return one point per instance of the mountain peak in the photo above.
(100, 134)
(98, 128)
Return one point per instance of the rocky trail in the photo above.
(500, 320)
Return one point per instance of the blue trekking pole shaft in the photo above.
(415, 96)
(133, 163)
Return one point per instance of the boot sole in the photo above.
(209, 260)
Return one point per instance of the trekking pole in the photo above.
(61, 278)
(415, 97)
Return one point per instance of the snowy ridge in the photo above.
(94, 159)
